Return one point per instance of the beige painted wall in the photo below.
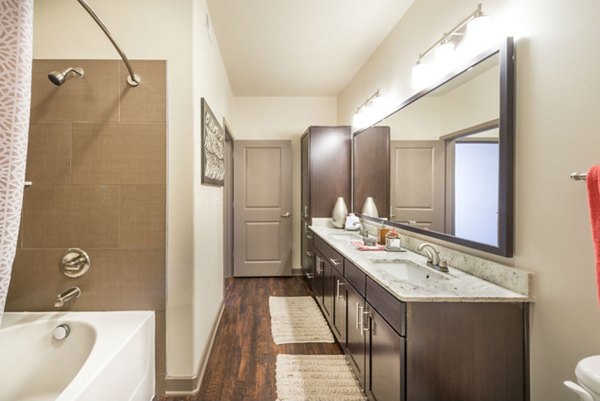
(155, 29)
(283, 118)
(557, 133)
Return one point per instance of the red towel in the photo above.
(593, 187)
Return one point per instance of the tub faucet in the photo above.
(433, 257)
(67, 296)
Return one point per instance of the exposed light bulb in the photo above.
(480, 26)
(369, 113)
(421, 75)
(480, 34)
(359, 120)
(444, 53)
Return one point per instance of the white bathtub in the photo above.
(109, 356)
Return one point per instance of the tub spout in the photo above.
(67, 296)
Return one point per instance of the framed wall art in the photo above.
(213, 150)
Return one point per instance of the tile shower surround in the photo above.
(97, 159)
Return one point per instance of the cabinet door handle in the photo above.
(286, 214)
(309, 254)
(308, 236)
(335, 262)
(319, 265)
(305, 211)
(360, 320)
(310, 276)
(339, 283)
(357, 315)
(366, 319)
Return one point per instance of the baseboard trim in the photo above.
(190, 385)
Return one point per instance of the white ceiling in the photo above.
(299, 47)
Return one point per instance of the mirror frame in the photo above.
(506, 148)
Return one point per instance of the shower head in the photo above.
(58, 78)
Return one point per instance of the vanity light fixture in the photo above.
(475, 29)
(370, 111)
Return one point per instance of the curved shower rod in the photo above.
(132, 79)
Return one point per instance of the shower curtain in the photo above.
(16, 42)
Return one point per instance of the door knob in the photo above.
(286, 214)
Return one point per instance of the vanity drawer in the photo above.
(392, 310)
(333, 257)
(355, 276)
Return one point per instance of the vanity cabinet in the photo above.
(354, 347)
(332, 264)
(317, 281)
(325, 176)
(425, 351)
(338, 323)
(308, 254)
(385, 349)
(328, 290)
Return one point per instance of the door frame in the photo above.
(228, 210)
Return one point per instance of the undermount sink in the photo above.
(407, 270)
(346, 236)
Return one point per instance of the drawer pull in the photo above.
(309, 254)
(335, 262)
(310, 276)
(308, 236)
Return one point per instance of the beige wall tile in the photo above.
(49, 153)
(36, 280)
(160, 322)
(64, 216)
(117, 280)
(111, 153)
(143, 216)
(95, 97)
(148, 100)
(124, 280)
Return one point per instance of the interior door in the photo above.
(262, 208)
(417, 183)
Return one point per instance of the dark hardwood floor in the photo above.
(241, 366)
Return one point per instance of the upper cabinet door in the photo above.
(305, 178)
(329, 169)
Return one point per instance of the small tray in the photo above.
(394, 249)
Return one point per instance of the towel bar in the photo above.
(578, 176)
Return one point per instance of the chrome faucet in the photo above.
(67, 296)
(364, 232)
(433, 257)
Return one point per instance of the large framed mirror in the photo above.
(442, 164)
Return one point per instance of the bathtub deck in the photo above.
(241, 365)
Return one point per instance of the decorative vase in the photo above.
(369, 208)
(340, 211)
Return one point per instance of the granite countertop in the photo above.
(411, 285)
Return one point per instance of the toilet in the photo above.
(588, 378)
